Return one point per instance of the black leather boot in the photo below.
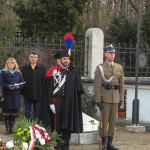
(7, 124)
(109, 145)
(59, 145)
(12, 122)
(65, 147)
(104, 145)
(58, 148)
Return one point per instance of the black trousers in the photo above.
(65, 135)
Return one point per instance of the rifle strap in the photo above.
(103, 76)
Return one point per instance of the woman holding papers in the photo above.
(12, 82)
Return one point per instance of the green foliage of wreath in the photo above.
(22, 134)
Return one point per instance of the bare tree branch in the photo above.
(133, 6)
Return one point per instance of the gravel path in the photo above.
(131, 141)
(123, 140)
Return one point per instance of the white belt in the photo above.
(103, 76)
(60, 85)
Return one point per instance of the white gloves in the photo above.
(52, 107)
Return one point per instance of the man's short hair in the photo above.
(33, 53)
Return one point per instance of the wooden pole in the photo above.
(100, 131)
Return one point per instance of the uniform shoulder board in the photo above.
(118, 65)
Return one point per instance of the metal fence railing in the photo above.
(19, 48)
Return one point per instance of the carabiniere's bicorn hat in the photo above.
(109, 48)
(69, 42)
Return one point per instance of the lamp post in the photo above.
(135, 109)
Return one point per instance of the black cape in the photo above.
(72, 114)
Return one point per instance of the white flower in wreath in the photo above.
(38, 135)
(42, 141)
(37, 132)
(25, 145)
(9, 144)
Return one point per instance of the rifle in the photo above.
(100, 131)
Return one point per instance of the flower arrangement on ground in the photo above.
(2, 146)
(30, 135)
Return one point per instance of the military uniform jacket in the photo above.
(109, 95)
(70, 93)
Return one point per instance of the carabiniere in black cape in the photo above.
(72, 111)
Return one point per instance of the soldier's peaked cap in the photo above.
(109, 48)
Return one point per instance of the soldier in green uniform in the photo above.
(109, 94)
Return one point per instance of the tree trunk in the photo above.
(88, 13)
(147, 5)
(96, 13)
(123, 6)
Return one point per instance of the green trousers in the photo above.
(109, 112)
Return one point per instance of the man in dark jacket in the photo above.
(60, 102)
(33, 75)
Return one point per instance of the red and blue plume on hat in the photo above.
(68, 40)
